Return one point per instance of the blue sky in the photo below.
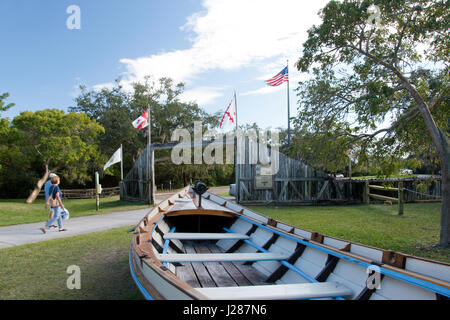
(213, 46)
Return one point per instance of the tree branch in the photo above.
(405, 118)
(436, 100)
(421, 103)
(399, 42)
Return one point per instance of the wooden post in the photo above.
(366, 193)
(350, 176)
(122, 191)
(400, 198)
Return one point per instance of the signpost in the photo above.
(263, 177)
(98, 189)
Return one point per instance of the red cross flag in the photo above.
(142, 121)
(229, 115)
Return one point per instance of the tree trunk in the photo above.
(439, 138)
(441, 143)
(445, 207)
(38, 187)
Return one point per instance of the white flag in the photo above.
(230, 115)
(116, 157)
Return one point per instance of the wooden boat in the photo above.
(207, 247)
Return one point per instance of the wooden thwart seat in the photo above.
(220, 257)
(205, 236)
(273, 292)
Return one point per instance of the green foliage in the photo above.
(3, 105)
(359, 82)
(116, 108)
(66, 143)
(324, 148)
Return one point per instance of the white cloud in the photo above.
(75, 88)
(201, 95)
(264, 90)
(228, 35)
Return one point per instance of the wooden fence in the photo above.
(399, 190)
(298, 183)
(414, 189)
(84, 193)
(294, 183)
(135, 185)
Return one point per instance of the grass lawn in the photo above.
(38, 271)
(415, 233)
(16, 211)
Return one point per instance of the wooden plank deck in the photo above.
(216, 274)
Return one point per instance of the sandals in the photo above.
(44, 231)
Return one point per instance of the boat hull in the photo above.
(169, 264)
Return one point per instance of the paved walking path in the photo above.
(28, 233)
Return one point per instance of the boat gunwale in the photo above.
(331, 237)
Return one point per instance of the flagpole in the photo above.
(121, 162)
(235, 108)
(289, 117)
(236, 168)
(149, 139)
(149, 160)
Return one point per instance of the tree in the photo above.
(13, 167)
(363, 74)
(57, 141)
(324, 149)
(115, 109)
(3, 106)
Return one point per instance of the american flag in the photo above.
(279, 78)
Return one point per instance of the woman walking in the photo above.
(56, 205)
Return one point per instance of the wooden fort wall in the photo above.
(266, 176)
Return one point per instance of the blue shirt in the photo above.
(47, 188)
(54, 190)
